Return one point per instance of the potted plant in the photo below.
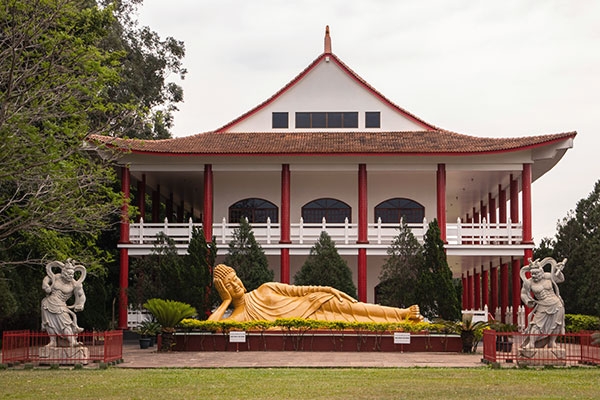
(470, 332)
(504, 341)
(168, 313)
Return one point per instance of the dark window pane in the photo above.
(390, 211)
(333, 210)
(334, 120)
(255, 210)
(350, 120)
(280, 120)
(302, 120)
(319, 120)
(372, 119)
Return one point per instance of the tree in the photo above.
(144, 98)
(400, 274)
(325, 267)
(199, 262)
(436, 291)
(247, 257)
(51, 72)
(578, 240)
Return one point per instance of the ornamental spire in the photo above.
(327, 40)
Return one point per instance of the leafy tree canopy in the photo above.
(325, 267)
(578, 240)
(247, 257)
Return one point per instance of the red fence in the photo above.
(568, 349)
(33, 347)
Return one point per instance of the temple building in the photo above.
(330, 152)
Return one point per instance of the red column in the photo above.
(156, 204)
(362, 232)
(141, 189)
(492, 208)
(494, 288)
(516, 287)
(501, 204)
(464, 292)
(485, 284)
(441, 200)
(526, 197)
(503, 290)
(514, 200)
(124, 253)
(483, 209)
(207, 221)
(285, 223)
(477, 289)
(469, 291)
(169, 208)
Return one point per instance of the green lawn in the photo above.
(301, 383)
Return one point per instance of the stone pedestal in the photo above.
(540, 357)
(65, 355)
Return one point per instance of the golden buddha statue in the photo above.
(278, 300)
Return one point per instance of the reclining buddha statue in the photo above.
(278, 300)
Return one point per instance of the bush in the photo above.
(579, 322)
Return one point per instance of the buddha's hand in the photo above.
(414, 313)
(341, 296)
(223, 292)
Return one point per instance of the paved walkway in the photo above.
(134, 357)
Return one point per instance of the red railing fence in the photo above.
(33, 347)
(568, 349)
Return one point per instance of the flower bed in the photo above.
(309, 335)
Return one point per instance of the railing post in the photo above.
(223, 226)
(425, 227)
(166, 226)
(458, 231)
(509, 231)
(379, 230)
(301, 230)
(323, 225)
(268, 230)
(141, 230)
(346, 230)
(191, 229)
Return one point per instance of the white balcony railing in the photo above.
(378, 233)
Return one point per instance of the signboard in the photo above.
(237, 337)
(401, 338)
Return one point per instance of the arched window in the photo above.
(255, 210)
(333, 210)
(391, 210)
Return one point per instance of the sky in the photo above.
(483, 68)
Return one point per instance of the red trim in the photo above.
(362, 205)
(305, 72)
(441, 200)
(526, 196)
(207, 220)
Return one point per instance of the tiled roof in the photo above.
(319, 143)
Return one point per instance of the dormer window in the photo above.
(332, 119)
(280, 120)
(372, 119)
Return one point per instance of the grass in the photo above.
(300, 383)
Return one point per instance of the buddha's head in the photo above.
(231, 282)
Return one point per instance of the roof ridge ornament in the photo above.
(327, 40)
